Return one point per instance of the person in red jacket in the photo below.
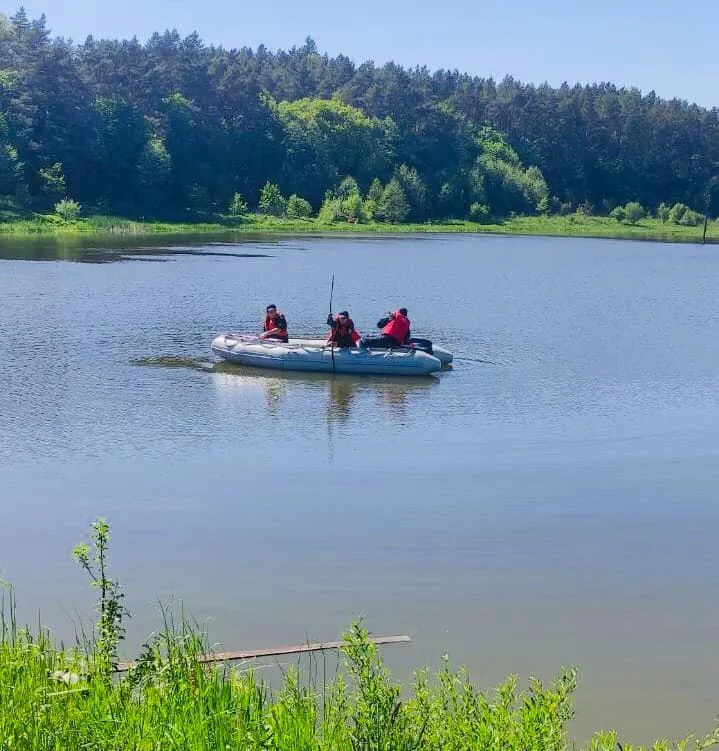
(342, 332)
(395, 331)
(275, 325)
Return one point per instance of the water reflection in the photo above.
(341, 391)
(90, 248)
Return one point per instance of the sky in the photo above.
(662, 45)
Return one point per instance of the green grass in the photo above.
(53, 699)
(573, 225)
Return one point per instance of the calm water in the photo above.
(552, 500)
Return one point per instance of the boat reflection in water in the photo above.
(299, 392)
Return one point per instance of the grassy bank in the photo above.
(573, 225)
(55, 698)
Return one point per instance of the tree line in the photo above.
(175, 127)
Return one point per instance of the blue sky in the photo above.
(661, 45)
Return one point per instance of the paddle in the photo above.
(332, 341)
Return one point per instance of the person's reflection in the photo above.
(394, 395)
(342, 393)
(274, 390)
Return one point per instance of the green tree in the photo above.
(298, 208)
(120, 138)
(393, 206)
(11, 174)
(676, 213)
(272, 201)
(663, 212)
(619, 213)
(325, 138)
(415, 191)
(154, 176)
(344, 203)
(237, 206)
(634, 212)
(479, 212)
(52, 183)
(372, 199)
(67, 209)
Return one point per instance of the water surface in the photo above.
(551, 500)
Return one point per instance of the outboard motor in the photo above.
(422, 344)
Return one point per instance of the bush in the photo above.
(663, 212)
(67, 209)
(691, 218)
(298, 208)
(479, 212)
(677, 212)
(272, 201)
(344, 203)
(392, 206)
(634, 212)
(237, 206)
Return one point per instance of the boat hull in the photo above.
(441, 353)
(313, 357)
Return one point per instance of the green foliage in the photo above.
(634, 212)
(499, 179)
(374, 194)
(174, 125)
(415, 192)
(237, 206)
(326, 138)
(52, 183)
(663, 212)
(392, 206)
(109, 629)
(154, 175)
(343, 204)
(272, 201)
(479, 212)
(691, 218)
(681, 214)
(298, 208)
(67, 209)
(631, 213)
(676, 213)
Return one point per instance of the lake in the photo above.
(550, 500)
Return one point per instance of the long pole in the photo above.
(332, 340)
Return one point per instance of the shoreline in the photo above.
(573, 225)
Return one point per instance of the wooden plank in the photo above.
(251, 654)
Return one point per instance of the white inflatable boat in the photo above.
(318, 356)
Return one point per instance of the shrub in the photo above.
(663, 212)
(677, 212)
(479, 212)
(634, 212)
(272, 201)
(237, 206)
(298, 208)
(67, 209)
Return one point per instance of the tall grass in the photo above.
(573, 225)
(53, 698)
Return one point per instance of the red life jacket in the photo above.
(397, 328)
(339, 332)
(271, 323)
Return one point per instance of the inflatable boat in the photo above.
(317, 356)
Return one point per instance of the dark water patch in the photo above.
(173, 361)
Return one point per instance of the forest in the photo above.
(178, 128)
